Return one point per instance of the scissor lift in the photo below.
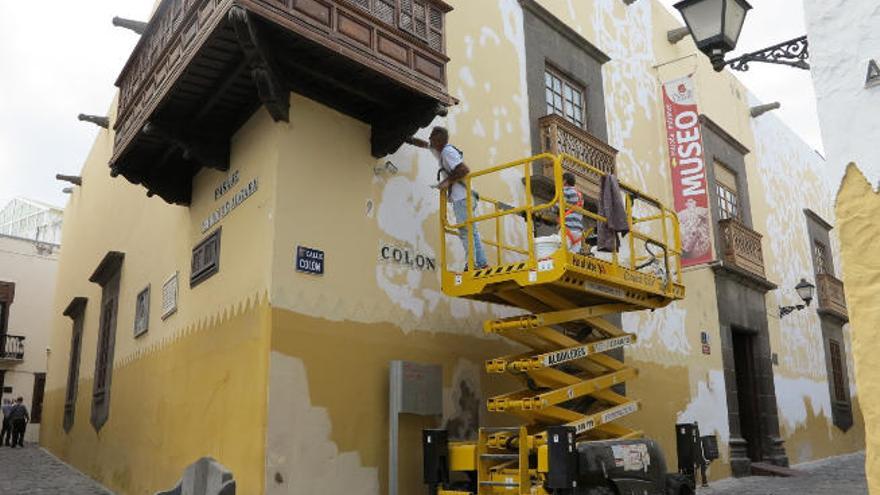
(568, 378)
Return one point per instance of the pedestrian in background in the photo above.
(18, 418)
(6, 432)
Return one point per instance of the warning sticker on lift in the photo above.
(583, 425)
(619, 412)
(607, 345)
(632, 457)
(565, 355)
(545, 265)
(604, 289)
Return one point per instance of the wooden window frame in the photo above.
(838, 378)
(820, 257)
(200, 270)
(76, 312)
(108, 275)
(728, 200)
(37, 398)
(553, 75)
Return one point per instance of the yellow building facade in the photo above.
(282, 376)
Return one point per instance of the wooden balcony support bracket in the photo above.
(267, 78)
(392, 130)
(212, 155)
(98, 120)
(137, 26)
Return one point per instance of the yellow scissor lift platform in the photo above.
(566, 372)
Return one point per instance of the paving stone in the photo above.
(34, 471)
(843, 475)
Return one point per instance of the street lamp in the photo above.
(805, 291)
(716, 25)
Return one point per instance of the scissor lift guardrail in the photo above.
(567, 375)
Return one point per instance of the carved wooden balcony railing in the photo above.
(561, 136)
(202, 67)
(742, 246)
(831, 296)
(11, 349)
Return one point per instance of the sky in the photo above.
(57, 66)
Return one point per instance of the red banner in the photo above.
(689, 187)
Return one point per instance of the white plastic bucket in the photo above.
(546, 246)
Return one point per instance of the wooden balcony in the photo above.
(831, 296)
(11, 349)
(742, 247)
(561, 136)
(202, 67)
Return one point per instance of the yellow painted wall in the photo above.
(111, 214)
(198, 393)
(858, 208)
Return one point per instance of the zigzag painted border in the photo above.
(206, 322)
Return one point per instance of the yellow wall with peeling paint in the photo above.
(858, 210)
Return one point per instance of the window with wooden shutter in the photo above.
(37, 398)
(837, 371)
(413, 18)
(103, 364)
(820, 255)
(205, 259)
(107, 275)
(75, 311)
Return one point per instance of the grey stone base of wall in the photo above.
(777, 455)
(741, 464)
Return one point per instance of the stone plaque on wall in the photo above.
(169, 296)
(142, 312)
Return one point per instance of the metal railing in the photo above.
(831, 295)
(648, 219)
(12, 347)
(742, 246)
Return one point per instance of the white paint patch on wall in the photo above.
(663, 327)
(843, 38)
(782, 156)
(631, 90)
(467, 77)
(298, 440)
(514, 33)
(795, 395)
(708, 407)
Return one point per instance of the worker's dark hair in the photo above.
(442, 132)
(568, 178)
(20, 399)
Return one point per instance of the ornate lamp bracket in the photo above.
(793, 53)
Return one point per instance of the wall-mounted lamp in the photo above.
(805, 291)
(716, 25)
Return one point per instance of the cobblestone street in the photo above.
(33, 471)
(844, 475)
